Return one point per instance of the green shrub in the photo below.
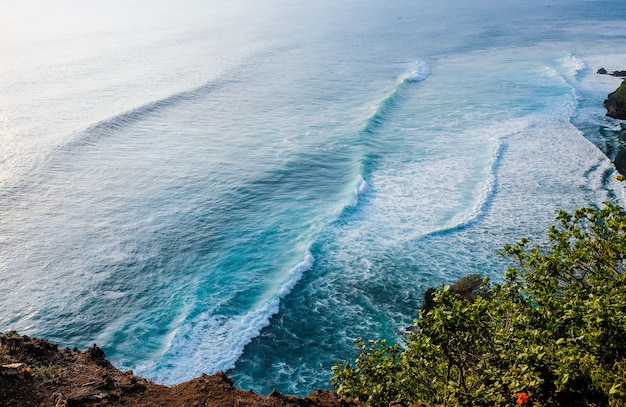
(51, 374)
(553, 333)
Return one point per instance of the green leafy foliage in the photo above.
(552, 334)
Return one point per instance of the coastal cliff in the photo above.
(35, 372)
(616, 102)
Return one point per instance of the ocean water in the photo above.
(248, 187)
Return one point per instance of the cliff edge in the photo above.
(35, 372)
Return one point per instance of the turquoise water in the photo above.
(249, 187)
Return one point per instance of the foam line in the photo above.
(102, 129)
(481, 208)
(566, 109)
(210, 332)
(202, 337)
(418, 71)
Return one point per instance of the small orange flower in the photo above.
(522, 398)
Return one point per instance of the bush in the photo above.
(553, 333)
(52, 374)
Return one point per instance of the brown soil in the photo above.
(74, 378)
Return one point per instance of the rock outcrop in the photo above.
(616, 103)
(603, 71)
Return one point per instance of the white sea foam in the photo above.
(417, 72)
(574, 65)
(361, 190)
(296, 274)
(487, 192)
(114, 295)
(363, 187)
(219, 340)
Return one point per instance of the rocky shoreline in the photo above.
(35, 372)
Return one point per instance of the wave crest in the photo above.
(574, 65)
(418, 71)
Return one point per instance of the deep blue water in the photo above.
(249, 187)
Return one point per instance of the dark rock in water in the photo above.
(603, 71)
(407, 330)
(429, 299)
(468, 287)
(616, 103)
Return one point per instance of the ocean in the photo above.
(249, 186)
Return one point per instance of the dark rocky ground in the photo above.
(73, 378)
